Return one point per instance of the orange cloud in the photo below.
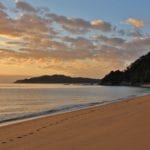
(135, 22)
(102, 25)
(77, 25)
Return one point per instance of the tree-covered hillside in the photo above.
(137, 73)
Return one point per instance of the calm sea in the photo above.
(19, 101)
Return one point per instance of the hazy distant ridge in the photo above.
(59, 79)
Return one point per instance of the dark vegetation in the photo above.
(59, 79)
(136, 74)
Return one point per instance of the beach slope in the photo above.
(119, 126)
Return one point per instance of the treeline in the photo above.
(137, 73)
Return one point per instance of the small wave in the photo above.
(65, 108)
(61, 109)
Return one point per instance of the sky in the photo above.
(72, 37)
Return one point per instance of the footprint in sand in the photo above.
(31, 133)
(19, 137)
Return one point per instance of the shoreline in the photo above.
(121, 125)
(66, 109)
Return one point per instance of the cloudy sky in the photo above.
(73, 37)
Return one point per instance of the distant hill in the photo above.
(136, 74)
(59, 79)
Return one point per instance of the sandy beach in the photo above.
(119, 126)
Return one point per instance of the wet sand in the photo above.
(119, 126)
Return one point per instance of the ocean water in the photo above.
(19, 101)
